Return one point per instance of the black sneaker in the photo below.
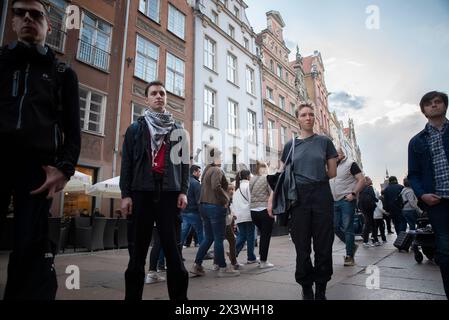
(307, 293)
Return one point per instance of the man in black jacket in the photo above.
(191, 214)
(40, 136)
(154, 181)
(391, 194)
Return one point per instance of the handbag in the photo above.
(285, 194)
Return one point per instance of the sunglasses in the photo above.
(35, 14)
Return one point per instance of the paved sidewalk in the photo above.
(401, 278)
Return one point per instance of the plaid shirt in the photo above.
(439, 159)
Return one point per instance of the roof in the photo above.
(277, 16)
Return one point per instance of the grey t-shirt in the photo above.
(310, 158)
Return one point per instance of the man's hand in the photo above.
(182, 201)
(349, 197)
(127, 206)
(431, 199)
(55, 181)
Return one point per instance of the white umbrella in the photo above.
(79, 182)
(107, 189)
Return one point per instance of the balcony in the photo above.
(93, 55)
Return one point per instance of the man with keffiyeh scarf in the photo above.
(154, 180)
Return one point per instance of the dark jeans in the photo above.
(387, 219)
(344, 212)
(311, 219)
(411, 216)
(400, 224)
(369, 226)
(265, 224)
(214, 222)
(246, 234)
(379, 226)
(31, 275)
(439, 219)
(189, 220)
(165, 213)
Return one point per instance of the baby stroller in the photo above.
(423, 239)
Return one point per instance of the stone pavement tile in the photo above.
(403, 284)
(354, 292)
(402, 260)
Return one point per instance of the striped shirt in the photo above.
(439, 159)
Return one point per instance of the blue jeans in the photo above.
(246, 233)
(410, 216)
(214, 218)
(191, 219)
(439, 219)
(344, 212)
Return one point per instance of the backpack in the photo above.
(399, 202)
(366, 202)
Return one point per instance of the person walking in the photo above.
(214, 201)
(314, 163)
(260, 192)
(240, 207)
(345, 188)
(391, 194)
(367, 204)
(410, 211)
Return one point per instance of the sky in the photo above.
(376, 70)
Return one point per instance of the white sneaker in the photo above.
(215, 267)
(265, 265)
(153, 277)
(367, 245)
(228, 272)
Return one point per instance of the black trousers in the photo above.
(265, 224)
(369, 226)
(31, 273)
(145, 212)
(313, 219)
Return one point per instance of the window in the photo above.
(91, 110)
(210, 47)
(246, 43)
(146, 59)
(94, 44)
(237, 12)
(174, 81)
(232, 117)
(282, 102)
(234, 162)
(286, 76)
(270, 133)
(231, 31)
(57, 17)
(176, 21)
(251, 126)
(137, 111)
(210, 103)
(225, 2)
(215, 17)
(270, 94)
(271, 65)
(279, 71)
(293, 109)
(150, 8)
(232, 68)
(250, 80)
(283, 135)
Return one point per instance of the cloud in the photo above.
(328, 62)
(290, 44)
(343, 100)
(384, 144)
(354, 63)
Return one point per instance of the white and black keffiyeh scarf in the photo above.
(159, 124)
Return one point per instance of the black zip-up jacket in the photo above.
(193, 196)
(136, 174)
(39, 106)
